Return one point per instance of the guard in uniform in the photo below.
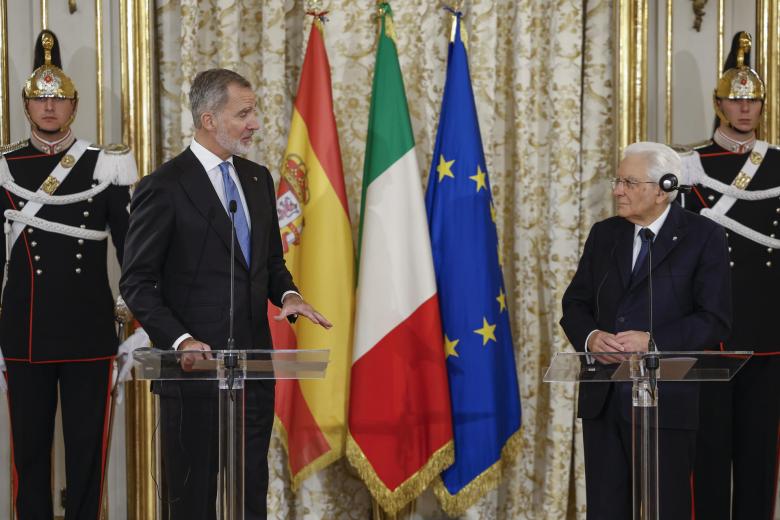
(59, 197)
(737, 184)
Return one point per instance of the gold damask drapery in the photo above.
(542, 75)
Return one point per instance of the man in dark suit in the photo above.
(605, 309)
(175, 279)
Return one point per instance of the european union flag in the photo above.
(472, 297)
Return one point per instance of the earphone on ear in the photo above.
(669, 183)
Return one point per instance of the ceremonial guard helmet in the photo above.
(738, 81)
(48, 80)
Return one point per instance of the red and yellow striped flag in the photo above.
(317, 238)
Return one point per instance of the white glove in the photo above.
(123, 371)
(3, 385)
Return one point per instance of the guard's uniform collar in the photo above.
(52, 147)
(732, 145)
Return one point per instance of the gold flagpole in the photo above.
(139, 117)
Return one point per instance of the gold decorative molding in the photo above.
(101, 131)
(766, 59)
(5, 114)
(44, 14)
(630, 51)
(668, 86)
(720, 57)
(698, 13)
(139, 130)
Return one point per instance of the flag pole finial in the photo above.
(315, 9)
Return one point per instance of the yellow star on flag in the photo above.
(444, 168)
(450, 345)
(479, 178)
(487, 332)
(501, 300)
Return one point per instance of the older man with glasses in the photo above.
(605, 309)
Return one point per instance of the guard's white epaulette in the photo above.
(5, 172)
(8, 148)
(115, 164)
(774, 146)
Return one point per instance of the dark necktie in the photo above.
(646, 236)
(231, 193)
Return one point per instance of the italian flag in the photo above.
(317, 238)
(400, 429)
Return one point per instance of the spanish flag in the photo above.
(317, 238)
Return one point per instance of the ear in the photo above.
(207, 121)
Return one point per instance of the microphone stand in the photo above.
(231, 359)
(645, 420)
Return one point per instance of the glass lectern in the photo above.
(229, 369)
(645, 370)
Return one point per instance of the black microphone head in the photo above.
(232, 206)
(668, 182)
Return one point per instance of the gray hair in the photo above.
(209, 91)
(660, 160)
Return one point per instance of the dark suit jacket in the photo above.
(176, 270)
(692, 301)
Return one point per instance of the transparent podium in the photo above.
(229, 369)
(645, 370)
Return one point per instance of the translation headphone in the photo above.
(669, 183)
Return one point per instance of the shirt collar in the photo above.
(208, 159)
(656, 225)
(51, 147)
(732, 145)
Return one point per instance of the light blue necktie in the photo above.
(231, 193)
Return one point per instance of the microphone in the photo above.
(231, 360)
(669, 183)
(651, 362)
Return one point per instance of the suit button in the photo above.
(621, 319)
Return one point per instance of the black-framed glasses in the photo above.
(628, 184)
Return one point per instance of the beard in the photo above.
(234, 146)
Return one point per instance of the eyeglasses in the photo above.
(628, 184)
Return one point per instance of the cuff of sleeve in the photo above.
(589, 359)
(179, 341)
(287, 293)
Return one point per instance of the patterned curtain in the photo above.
(542, 74)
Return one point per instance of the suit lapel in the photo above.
(668, 237)
(199, 189)
(624, 250)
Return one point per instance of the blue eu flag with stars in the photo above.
(478, 340)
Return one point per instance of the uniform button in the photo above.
(89, 199)
(777, 210)
(82, 226)
(78, 256)
(21, 204)
(37, 258)
(731, 264)
(81, 241)
(772, 235)
(729, 249)
(78, 270)
(33, 243)
(769, 250)
(39, 272)
(29, 230)
(775, 223)
(86, 214)
(711, 197)
(769, 263)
